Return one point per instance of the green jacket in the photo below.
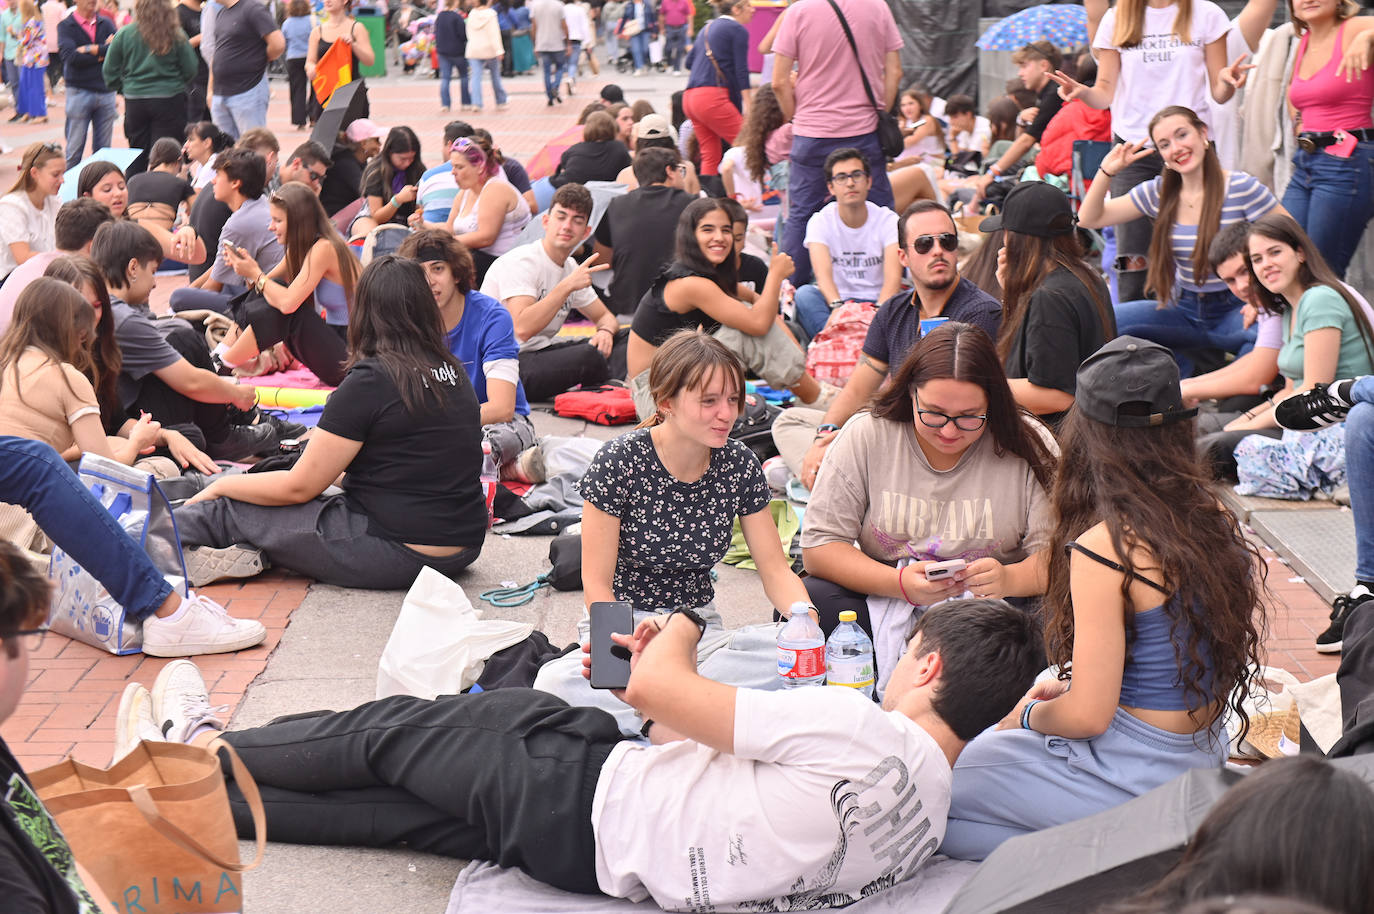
(136, 72)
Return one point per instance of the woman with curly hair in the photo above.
(764, 139)
(150, 62)
(1154, 608)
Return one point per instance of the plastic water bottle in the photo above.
(849, 656)
(490, 480)
(801, 649)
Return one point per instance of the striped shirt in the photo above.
(1246, 200)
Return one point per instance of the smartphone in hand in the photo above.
(610, 661)
(939, 571)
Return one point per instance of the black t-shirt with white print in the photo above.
(37, 872)
(671, 532)
(417, 476)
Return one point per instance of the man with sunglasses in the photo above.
(307, 164)
(852, 243)
(928, 243)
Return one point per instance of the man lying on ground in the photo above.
(768, 800)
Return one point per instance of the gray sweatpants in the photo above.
(508, 439)
(794, 431)
(324, 539)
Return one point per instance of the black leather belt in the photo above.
(1311, 142)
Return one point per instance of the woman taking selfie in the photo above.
(1159, 630)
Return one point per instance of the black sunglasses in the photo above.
(922, 244)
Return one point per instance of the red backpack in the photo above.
(606, 405)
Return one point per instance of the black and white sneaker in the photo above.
(1322, 406)
(258, 416)
(1330, 641)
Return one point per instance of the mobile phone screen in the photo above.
(610, 661)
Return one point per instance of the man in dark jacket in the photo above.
(82, 39)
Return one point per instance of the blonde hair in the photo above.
(36, 156)
(1130, 22)
(684, 362)
(1345, 9)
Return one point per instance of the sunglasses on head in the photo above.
(922, 244)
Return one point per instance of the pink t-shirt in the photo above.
(20, 277)
(831, 101)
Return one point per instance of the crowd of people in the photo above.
(989, 352)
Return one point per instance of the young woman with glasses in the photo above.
(945, 466)
(1055, 311)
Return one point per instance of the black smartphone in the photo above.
(610, 661)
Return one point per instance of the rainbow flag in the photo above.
(333, 70)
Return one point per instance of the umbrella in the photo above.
(1061, 24)
(121, 157)
(335, 116)
(545, 161)
(1114, 854)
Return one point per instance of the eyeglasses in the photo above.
(316, 177)
(31, 638)
(931, 419)
(849, 177)
(922, 244)
(680, 169)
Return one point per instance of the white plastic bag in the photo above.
(439, 645)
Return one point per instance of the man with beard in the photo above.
(928, 242)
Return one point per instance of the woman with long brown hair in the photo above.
(150, 62)
(1055, 310)
(317, 271)
(1154, 607)
(945, 467)
(1190, 202)
(28, 213)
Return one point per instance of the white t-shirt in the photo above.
(21, 221)
(979, 135)
(528, 270)
(1161, 70)
(825, 799)
(1225, 119)
(579, 26)
(745, 186)
(856, 254)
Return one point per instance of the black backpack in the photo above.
(755, 426)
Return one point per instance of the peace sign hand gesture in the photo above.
(1237, 73)
(1069, 88)
(1122, 155)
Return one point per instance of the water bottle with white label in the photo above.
(801, 649)
(491, 478)
(849, 656)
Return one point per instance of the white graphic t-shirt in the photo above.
(1162, 70)
(826, 799)
(856, 254)
(527, 270)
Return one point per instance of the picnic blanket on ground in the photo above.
(482, 887)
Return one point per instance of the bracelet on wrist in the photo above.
(1025, 713)
(902, 587)
(827, 427)
(1107, 173)
(604, 330)
(393, 204)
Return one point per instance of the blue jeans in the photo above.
(639, 50)
(554, 64)
(813, 311)
(446, 67)
(492, 66)
(88, 111)
(1198, 320)
(1359, 468)
(675, 45)
(33, 476)
(806, 189)
(570, 61)
(236, 113)
(1330, 198)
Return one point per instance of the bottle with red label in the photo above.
(801, 649)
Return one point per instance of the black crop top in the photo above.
(654, 321)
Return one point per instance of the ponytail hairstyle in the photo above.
(686, 361)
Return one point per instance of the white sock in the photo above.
(222, 351)
(180, 611)
(203, 728)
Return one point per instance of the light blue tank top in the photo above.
(334, 300)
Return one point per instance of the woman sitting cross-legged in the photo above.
(1153, 606)
(946, 466)
(700, 288)
(404, 426)
(317, 271)
(660, 506)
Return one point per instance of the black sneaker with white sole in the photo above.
(243, 441)
(259, 416)
(1331, 640)
(1322, 406)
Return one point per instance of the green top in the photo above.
(1321, 307)
(136, 72)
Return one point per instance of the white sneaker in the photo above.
(827, 395)
(207, 564)
(204, 628)
(777, 474)
(135, 722)
(181, 703)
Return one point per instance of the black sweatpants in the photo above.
(507, 776)
(564, 364)
(319, 347)
(177, 410)
(147, 120)
(1355, 677)
(1133, 237)
(831, 599)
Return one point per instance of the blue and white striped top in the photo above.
(1246, 200)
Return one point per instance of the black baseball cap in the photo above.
(1131, 383)
(1033, 208)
